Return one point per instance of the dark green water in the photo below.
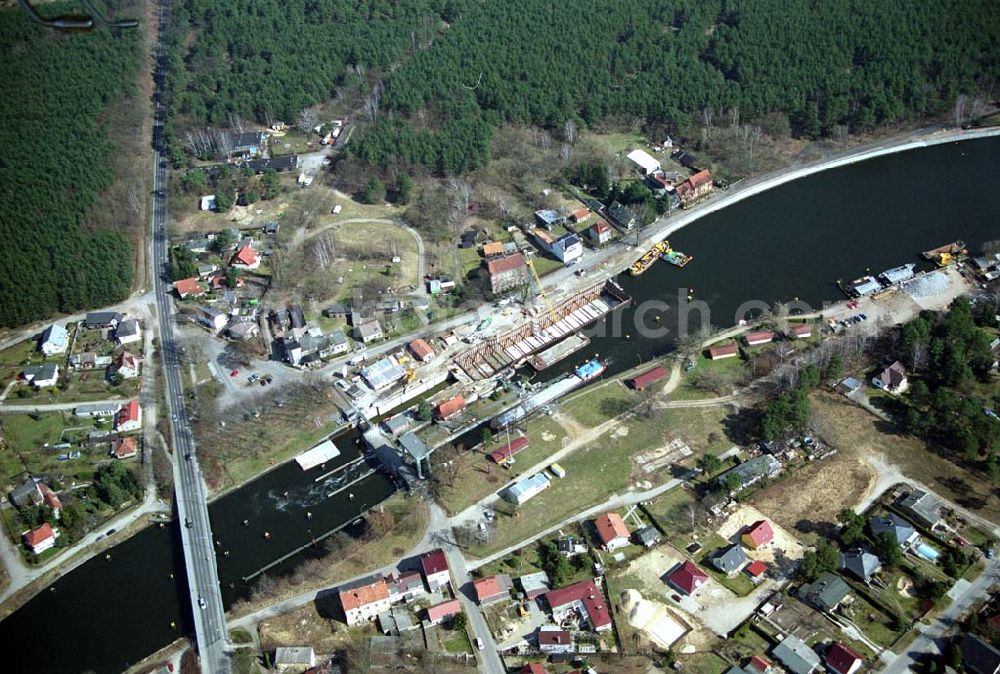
(794, 241)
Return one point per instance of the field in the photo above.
(24, 450)
(851, 429)
(367, 249)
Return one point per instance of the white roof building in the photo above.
(644, 162)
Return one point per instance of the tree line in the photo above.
(55, 164)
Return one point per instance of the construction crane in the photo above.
(541, 290)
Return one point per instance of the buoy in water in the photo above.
(309, 515)
(246, 523)
(350, 496)
(286, 494)
(226, 553)
(107, 556)
(171, 576)
(267, 534)
(173, 625)
(52, 589)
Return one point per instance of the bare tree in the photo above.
(960, 102)
(307, 121)
(320, 252)
(459, 200)
(569, 131)
(134, 200)
(372, 102)
(235, 122)
(707, 114)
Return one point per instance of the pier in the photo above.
(515, 347)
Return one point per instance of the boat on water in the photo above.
(648, 258)
(952, 249)
(898, 274)
(676, 258)
(580, 375)
(861, 287)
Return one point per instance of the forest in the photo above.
(441, 76)
(55, 163)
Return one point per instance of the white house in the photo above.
(435, 567)
(128, 331)
(40, 538)
(644, 162)
(338, 342)
(211, 318)
(568, 248)
(54, 340)
(41, 376)
(207, 202)
(294, 658)
(364, 601)
(128, 366)
(129, 417)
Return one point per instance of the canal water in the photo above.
(794, 241)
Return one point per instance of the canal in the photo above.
(792, 242)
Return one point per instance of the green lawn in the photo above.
(872, 621)
(456, 641)
(618, 142)
(27, 435)
(596, 404)
(704, 663)
(13, 359)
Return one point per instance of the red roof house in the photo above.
(724, 351)
(129, 417)
(435, 567)
(580, 214)
(450, 408)
(246, 257)
(492, 588)
(612, 531)
(688, 578)
(422, 350)
(533, 668)
(600, 231)
(509, 450)
(755, 569)
(507, 272)
(758, 535)
(582, 596)
(800, 330)
(439, 612)
(124, 448)
(758, 665)
(50, 498)
(40, 538)
(842, 660)
(759, 337)
(648, 377)
(188, 287)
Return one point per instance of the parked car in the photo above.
(234, 373)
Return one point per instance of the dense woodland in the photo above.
(443, 74)
(54, 164)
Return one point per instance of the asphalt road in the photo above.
(192, 504)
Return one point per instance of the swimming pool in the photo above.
(927, 552)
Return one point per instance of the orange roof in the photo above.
(700, 178)
(421, 349)
(129, 412)
(187, 286)
(493, 248)
(508, 263)
(443, 610)
(487, 588)
(601, 226)
(451, 407)
(123, 448)
(364, 595)
(39, 535)
(246, 255)
(580, 214)
(49, 497)
(610, 527)
(760, 533)
(724, 350)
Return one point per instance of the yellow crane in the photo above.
(541, 290)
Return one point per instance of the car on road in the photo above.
(341, 384)
(188, 523)
(479, 643)
(234, 373)
(111, 531)
(173, 417)
(201, 602)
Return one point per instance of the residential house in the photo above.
(338, 342)
(579, 215)
(271, 227)
(293, 351)
(493, 249)
(245, 258)
(892, 379)
(568, 249)
(129, 417)
(507, 272)
(527, 488)
(364, 600)
(405, 587)
(95, 410)
(648, 378)
(570, 547)
(826, 592)
(800, 331)
(758, 337)
(492, 588)
(368, 331)
(756, 570)
(435, 568)
(199, 246)
(395, 621)
(54, 340)
(687, 578)
(127, 366)
(752, 471)
(294, 658)
(206, 270)
(247, 143)
(548, 218)
(583, 598)
(125, 448)
(758, 535)
(535, 584)
(450, 408)
(421, 350)
(842, 660)
(188, 287)
(297, 316)
(41, 376)
(758, 665)
(552, 639)
(533, 668)
(695, 187)
(896, 527)
(686, 159)
(979, 657)
(848, 386)
(648, 536)
(441, 612)
(860, 564)
(611, 531)
(102, 319)
(645, 163)
(599, 232)
(243, 328)
(34, 492)
(383, 373)
(622, 216)
(398, 424)
(337, 309)
(921, 507)
(40, 538)
(282, 164)
(724, 351)
(206, 202)
(211, 318)
(796, 656)
(128, 332)
(730, 560)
